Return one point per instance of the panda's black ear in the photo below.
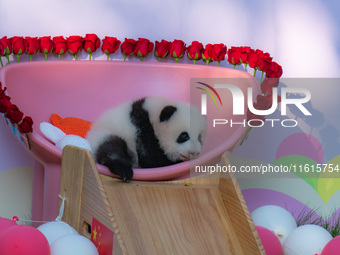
(167, 112)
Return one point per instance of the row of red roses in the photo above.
(13, 113)
(256, 59)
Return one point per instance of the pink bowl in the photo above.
(84, 89)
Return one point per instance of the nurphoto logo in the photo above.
(238, 104)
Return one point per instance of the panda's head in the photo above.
(179, 127)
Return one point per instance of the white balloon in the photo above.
(306, 240)
(276, 219)
(72, 245)
(56, 229)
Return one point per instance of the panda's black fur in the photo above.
(112, 150)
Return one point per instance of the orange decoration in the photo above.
(71, 125)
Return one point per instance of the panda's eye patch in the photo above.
(183, 137)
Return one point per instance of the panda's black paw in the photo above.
(115, 155)
(125, 173)
(122, 169)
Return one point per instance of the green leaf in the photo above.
(7, 52)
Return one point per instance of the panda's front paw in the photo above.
(122, 169)
(125, 173)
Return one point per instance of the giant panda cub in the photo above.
(150, 132)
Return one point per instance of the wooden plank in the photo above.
(169, 220)
(242, 222)
(71, 183)
(85, 195)
(95, 204)
(200, 215)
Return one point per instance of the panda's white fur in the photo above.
(148, 145)
(114, 121)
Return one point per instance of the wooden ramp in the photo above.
(190, 216)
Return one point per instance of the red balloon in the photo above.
(5, 224)
(23, 239)
(270, 241)
(332, 247)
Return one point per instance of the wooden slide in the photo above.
(200, 215)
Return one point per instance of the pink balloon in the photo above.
(5, 224)
(270, 241)
(21, 239)
(332, 247)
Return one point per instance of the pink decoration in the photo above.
(269, 240)
(301, 144)
(332, 247)
(153, 80)
(5, 224)
(21, 239)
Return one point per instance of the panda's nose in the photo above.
(194, 153)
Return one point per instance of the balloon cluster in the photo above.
(279, 234)
(52, 238)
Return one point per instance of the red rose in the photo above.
(5, 102)
(264, 62)
(18, 45)
(2, 90)
(255, 120)
(26, 126)
(5, 46)
(207, 53)
(59, 45)
(14, 114)
(253, 58)
(268, 84)
(194, 51)
(275, 71)
(91, 43)
(265, 102)
(234, 56)
(162, 49)
(219, 52)
(74, 44)
(177, 49)
(244, 51)
(32, 45)
(46, 44)
(110, 45)
(128, 47)
(143, 48)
